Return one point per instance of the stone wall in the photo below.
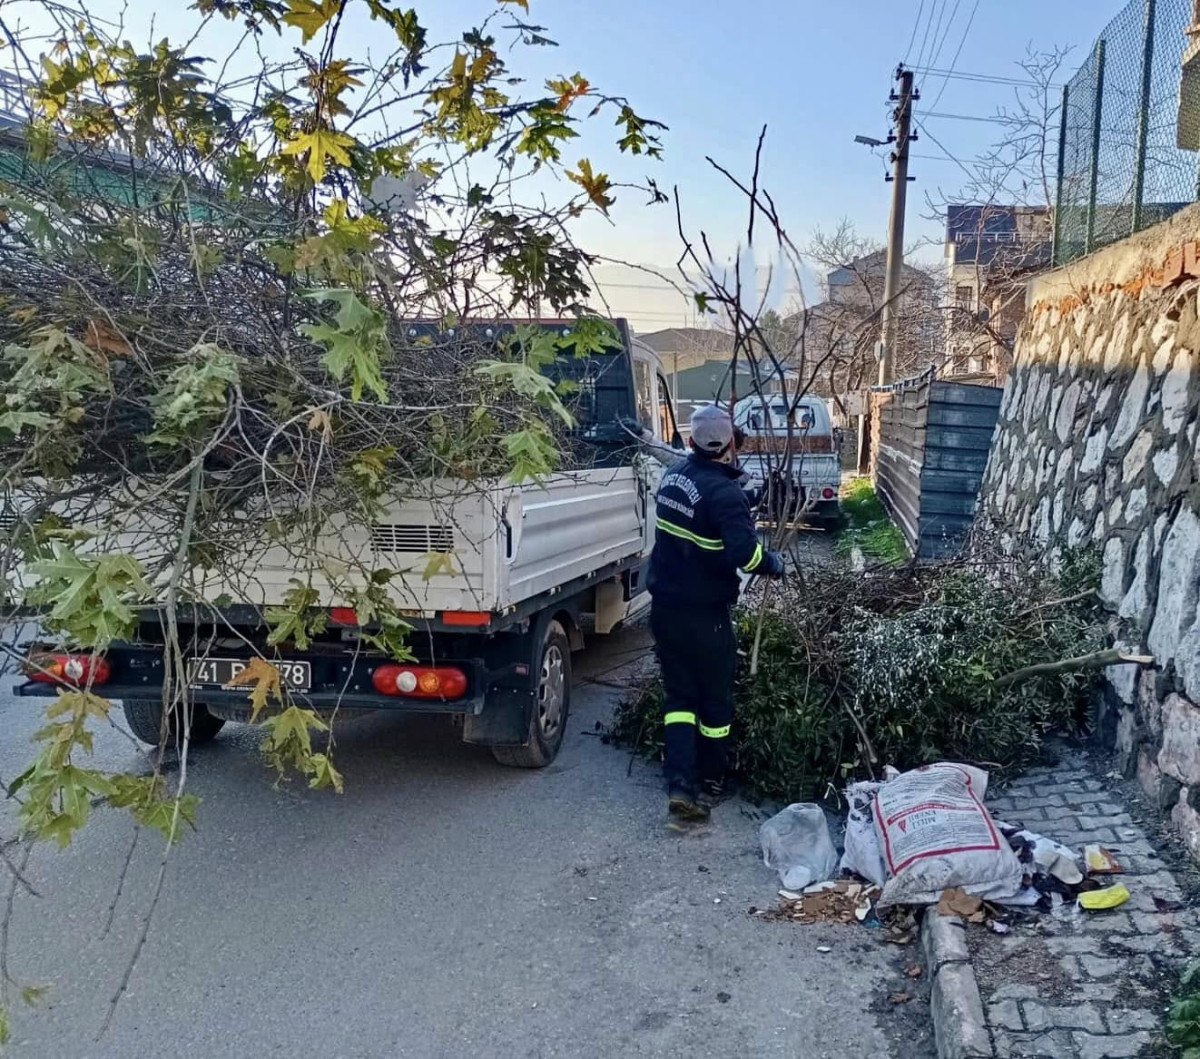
(1097, 442)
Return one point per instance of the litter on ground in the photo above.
(1102, 900)
(925, 838)
(1100, 861)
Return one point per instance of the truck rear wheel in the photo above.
(145, 720)
(551, 704)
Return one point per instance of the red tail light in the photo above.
(81, 670)
(420, 682)
(828, 493)
(466, 617)
(343, 616)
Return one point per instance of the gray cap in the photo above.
(712, 429)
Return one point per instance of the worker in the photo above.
(705, 535)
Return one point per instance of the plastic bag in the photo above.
(863, 854)
(936, 834)
(796, 843)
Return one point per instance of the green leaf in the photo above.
(543, 136)
(15, 422)
(347, 354)
(532, 452)
(297, 621)
(88, 598)
(324, 774)
(352, 311)
(311, 16)
(354, 346)
(319, 144)
(590, 335)
(439, 563)
(527, 382)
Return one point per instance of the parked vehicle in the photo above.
(790, 455)
(529, 568)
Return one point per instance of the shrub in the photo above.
(899, 666)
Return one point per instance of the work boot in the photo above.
(683, 807)
(712, 793)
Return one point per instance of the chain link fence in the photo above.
(1119, 168)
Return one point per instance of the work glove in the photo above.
(772, 565)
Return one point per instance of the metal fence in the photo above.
(930, 442)
(1119, 168)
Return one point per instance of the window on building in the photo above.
(964, 297)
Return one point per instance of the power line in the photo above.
(925, 38)
(945, 150)
(913, 35)
(945, 34)
(933, 42)
(933, 158)
(968, 75)
(958, 53)
(997, 120)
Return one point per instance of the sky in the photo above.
(816, 73)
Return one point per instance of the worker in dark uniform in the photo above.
(705, 535)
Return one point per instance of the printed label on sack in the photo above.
(916, 826)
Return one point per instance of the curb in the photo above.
(959, 1026)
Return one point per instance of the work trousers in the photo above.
(697, 653)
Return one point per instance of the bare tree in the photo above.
(1000, 223)
(846, 321)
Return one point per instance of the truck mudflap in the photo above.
(340, 678)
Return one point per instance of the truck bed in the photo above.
(460, 546)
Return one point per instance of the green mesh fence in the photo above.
(1119, 167)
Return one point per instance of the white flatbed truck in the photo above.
(523, 572)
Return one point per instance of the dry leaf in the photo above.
(900, 998)
(265, 680)
(104, 339)
(914, 970)
(957, 902)
(320, 421)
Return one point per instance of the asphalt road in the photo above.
(443, 906)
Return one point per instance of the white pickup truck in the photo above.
(523, 571)
(790, 455)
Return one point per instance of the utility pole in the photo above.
(895, 246)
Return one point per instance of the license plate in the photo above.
(220, 673)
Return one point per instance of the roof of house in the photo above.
(689, 340)
(872, 266)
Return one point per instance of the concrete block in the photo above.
(959, 1026)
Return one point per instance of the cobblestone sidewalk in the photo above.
(1079, 985)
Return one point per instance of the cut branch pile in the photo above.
(900, 665)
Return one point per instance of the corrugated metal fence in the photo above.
(929, 444)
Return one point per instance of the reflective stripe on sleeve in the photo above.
(715, 733)
(755, 559)
(679, 717)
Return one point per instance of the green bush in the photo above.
(1183, 1022)
(899, 665)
